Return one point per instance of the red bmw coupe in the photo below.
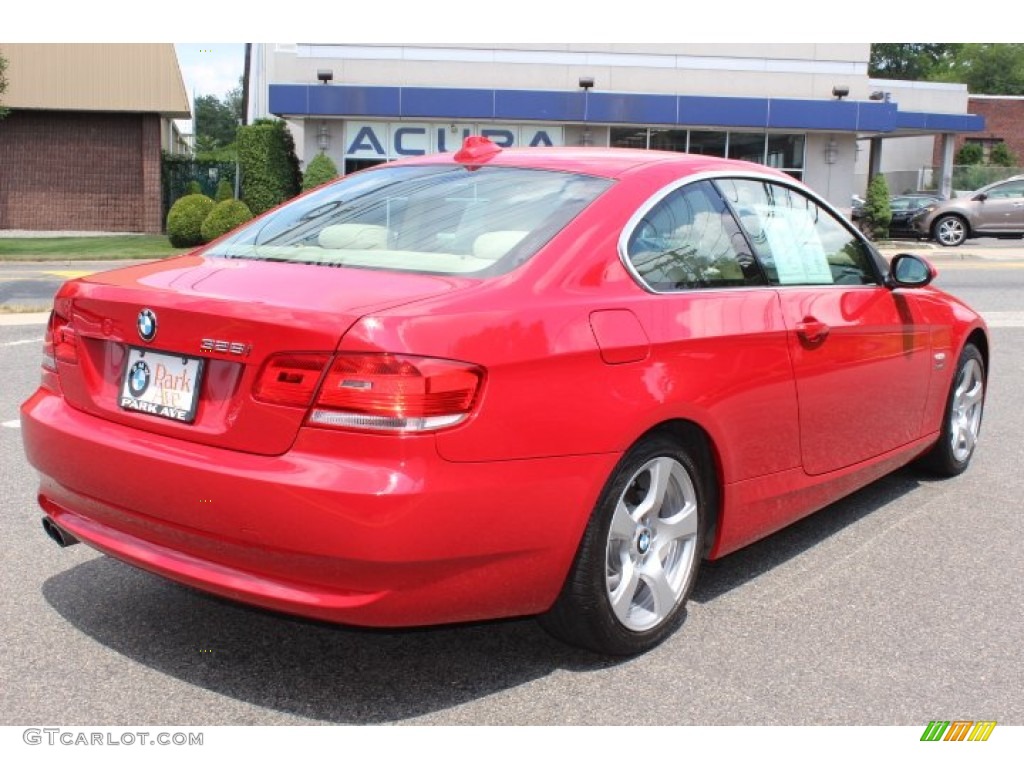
(497, 383)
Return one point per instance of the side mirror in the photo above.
(980, 197)
(910, 271)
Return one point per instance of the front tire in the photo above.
(640, 553)
(950, 231)
(961, 424)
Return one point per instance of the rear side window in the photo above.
(689, 239)
(436, 219)
(797, 241)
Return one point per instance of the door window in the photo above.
(798, 241)
(690, 240)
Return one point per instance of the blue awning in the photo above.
(419, 103)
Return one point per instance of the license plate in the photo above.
(161, 384)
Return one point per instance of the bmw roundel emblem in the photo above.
(146, 324)
(138, 378)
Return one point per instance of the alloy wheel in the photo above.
(651, 546)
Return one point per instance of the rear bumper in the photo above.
(396, 537)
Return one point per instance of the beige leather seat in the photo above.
(494, 245)
(363, 237)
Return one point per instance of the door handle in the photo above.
(812, 331)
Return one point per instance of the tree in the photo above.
(877, 210)
(320, 170)
(990, 68)
(3, 85)
(1002, 156)
(214, 123)
(910, 61)
(995, 69)
(270, 169)
(233, 101)
(971, 153)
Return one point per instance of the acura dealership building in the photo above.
(808, 109)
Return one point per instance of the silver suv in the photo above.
(993, 211)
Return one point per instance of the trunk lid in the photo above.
(225, 317)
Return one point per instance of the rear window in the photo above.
(447, 220)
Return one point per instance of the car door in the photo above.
(859, 350)
(1002, 210)
(719, 349)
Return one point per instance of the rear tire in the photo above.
(961, 422)
(640, 553)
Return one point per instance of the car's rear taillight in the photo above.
(290, 379)
(372, 391)
(396, 393)
(60, 342)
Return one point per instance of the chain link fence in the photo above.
(177, 172)
(966, 178)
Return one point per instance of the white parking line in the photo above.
(20, 341)
(1004, 319)
(12, 424)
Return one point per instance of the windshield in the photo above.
(433, 219)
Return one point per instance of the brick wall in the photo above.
(80, 171)
(1004, 119)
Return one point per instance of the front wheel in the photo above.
(961, 424)
(950, 230)
(640, 553)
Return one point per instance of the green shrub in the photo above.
(224, 191)
(1002, 156)
(225, 216)
(970, 153)
(185, 220)
(270, 169)
(319, 170)
(877, 210)
(193, 188)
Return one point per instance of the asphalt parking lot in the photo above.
(896, 606)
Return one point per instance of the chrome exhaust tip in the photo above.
(57, 533)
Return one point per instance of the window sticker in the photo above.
(796, 248)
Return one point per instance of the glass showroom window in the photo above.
(630, 138)
(786, 152)
(670, 139)
(708, 142)
(747, 146)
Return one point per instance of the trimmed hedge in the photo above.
(225, 216)
(193, 188)
(224, 191)
(319, 170)
(877, 209)
(185, 220)
(270, 169)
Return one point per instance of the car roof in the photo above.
(610, 162)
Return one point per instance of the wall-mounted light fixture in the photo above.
(323, 136)
(325, 75)
(840, 91)
(586, 83)
(831, 152)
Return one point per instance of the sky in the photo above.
(209, 69)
